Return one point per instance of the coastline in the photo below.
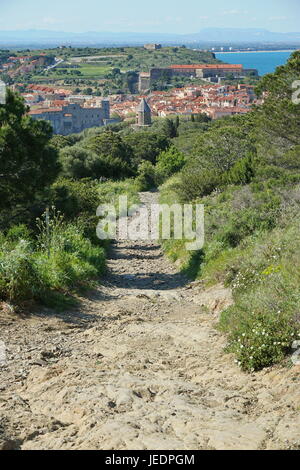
(254, 52)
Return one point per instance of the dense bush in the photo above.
(109, 144)
(110, 191)
(242, 172)
(28, 163)
(188, 134)
(74, 198)
(146, 145)
(259, 335)
(85, 160)
(59, 142)
(220, 156)
(19, 275)
(265, 320)
(197, 182)
(60, 259)
(78, 201)
(220, 148)
(169, 162)
(146, 178)
(245, 170)
(78, 162)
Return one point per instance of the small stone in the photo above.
(111, 404)
(296, 358)
(39, 362)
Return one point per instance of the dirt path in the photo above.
(139, 366)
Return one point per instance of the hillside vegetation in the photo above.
(48, 243)
(51, 187)
(105, 70)
(246, 171)
(129, 58)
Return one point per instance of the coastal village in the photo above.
(69, 112)
(214, 100)
(16, 65)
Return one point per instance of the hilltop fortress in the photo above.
(209, 72)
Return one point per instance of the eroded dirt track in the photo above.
(139, 365)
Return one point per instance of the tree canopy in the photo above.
(28, 163)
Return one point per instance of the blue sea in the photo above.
(265, 62)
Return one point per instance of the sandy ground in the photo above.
(140, 365)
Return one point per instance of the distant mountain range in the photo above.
(205, 36)
(235, 35)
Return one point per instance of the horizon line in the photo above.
(148, 32)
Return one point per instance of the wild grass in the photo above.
(252, 245)
(59, 260)
(110, 191)
(61, 254)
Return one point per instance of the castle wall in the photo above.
(74, 118)
(155, 74)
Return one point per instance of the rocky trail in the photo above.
(139, 365)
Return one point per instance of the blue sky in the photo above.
(170, 16)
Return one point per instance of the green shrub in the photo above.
(18, 232)
(78, 201)
(146, 145)
(78, 162)
(61, 259)
(146, 178)
(221, 147)
(241, 173)
(73, 198)
(19, 276)
(197, 182)
(169, 162)
(59, 142)
(263, 323)
(112, 156)
(63, 270)
(98, 155)
(75, 243)
(244, 223)
(265, 280)
(259, 339)
(109, 191)
(62, 241)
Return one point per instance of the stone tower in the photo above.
(143, 114)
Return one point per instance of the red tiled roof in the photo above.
(44, 110)
(58, 103)
(205, 66)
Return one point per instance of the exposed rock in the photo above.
(296, 358)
